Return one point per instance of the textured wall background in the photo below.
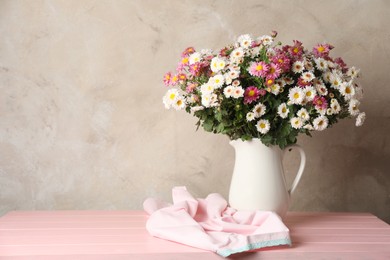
(82, 125)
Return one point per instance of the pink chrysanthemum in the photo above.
(320, 102)
(190, 88)
(187, 52)
(167, 78)
(251, 94)
(282, 60)
(297, 49)
(302, 83)
(342, 64)
(274, 71)
(259, 69)
(195, 69)
(182, 64)
(322, 50)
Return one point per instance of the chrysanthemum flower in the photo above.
(303, 114)
(259, 69)
(297, 49)
(298, 66)
(307, 76)
(273, 71)
(360, 119)
(275, 88)
(236, 83)
(353, 107)
(347, 90)
(190, 87)
(296, 122)
(322, 50)
(321, 89)
(217, 64)
(321, 64)
(238, 92)
(263, 126)
(265, 40)
(207, 88)
(228, 91)
(283, 110)
(217, 80)
(282, 60)
(335, 106)
(195, 69)
(320, 102)
(251, 94)
(188, 51)
(179, 104)
(259, 110)
(353, 72)
(250, 116)
(170, 97)
(236, 54)
(335, 81)
(308, 65)
(233, 74)
(194, 58)
(296, 95)
(245, 41)
(167, 78)
(320, 123)
(310, 93)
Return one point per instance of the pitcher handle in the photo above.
(301, 167)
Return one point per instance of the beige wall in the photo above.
(82, 125)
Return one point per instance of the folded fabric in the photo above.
(210, 224)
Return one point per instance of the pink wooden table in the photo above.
(122, 235)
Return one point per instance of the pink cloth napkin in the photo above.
(211, 225)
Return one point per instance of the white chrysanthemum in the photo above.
(236, 83)
(321, 89)
(320, 123)
(217, 64)
(275, 88)
(170, 97)
(179, 104)
(296, 122)
(237, 53)
(298, 67)
(353, 107)
(228, 80)
(259, 110)
(288, 81)
(327, 76)
(321, 64)
(296, 95)
(360, 119)
(266, 40)
(233, 74)
(228, 91)
(250, 116)
(263, 126)
(353, 72)
(194, 58)
(329, 112)
(335, 106)
(238, 92)
(335, 81)
(347, 90)
(283, 110)
(206, 100)
(207, 88)
(310, 93)
(308, 65)
(217, 80)
(303, 114)
(307, 76)
(245, 41)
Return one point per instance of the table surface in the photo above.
(122, 235)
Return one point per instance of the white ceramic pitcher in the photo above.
(258, 181)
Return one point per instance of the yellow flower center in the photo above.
(348, 90)
(308, 94)
(262, 125)
(179, 102)
(320, 48)
(296, 95)
(251, 93)
(259, 67)
(172, 96)
(284, 110)
(296, 50)
(184, 60)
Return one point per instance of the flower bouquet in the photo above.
(256, 88)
